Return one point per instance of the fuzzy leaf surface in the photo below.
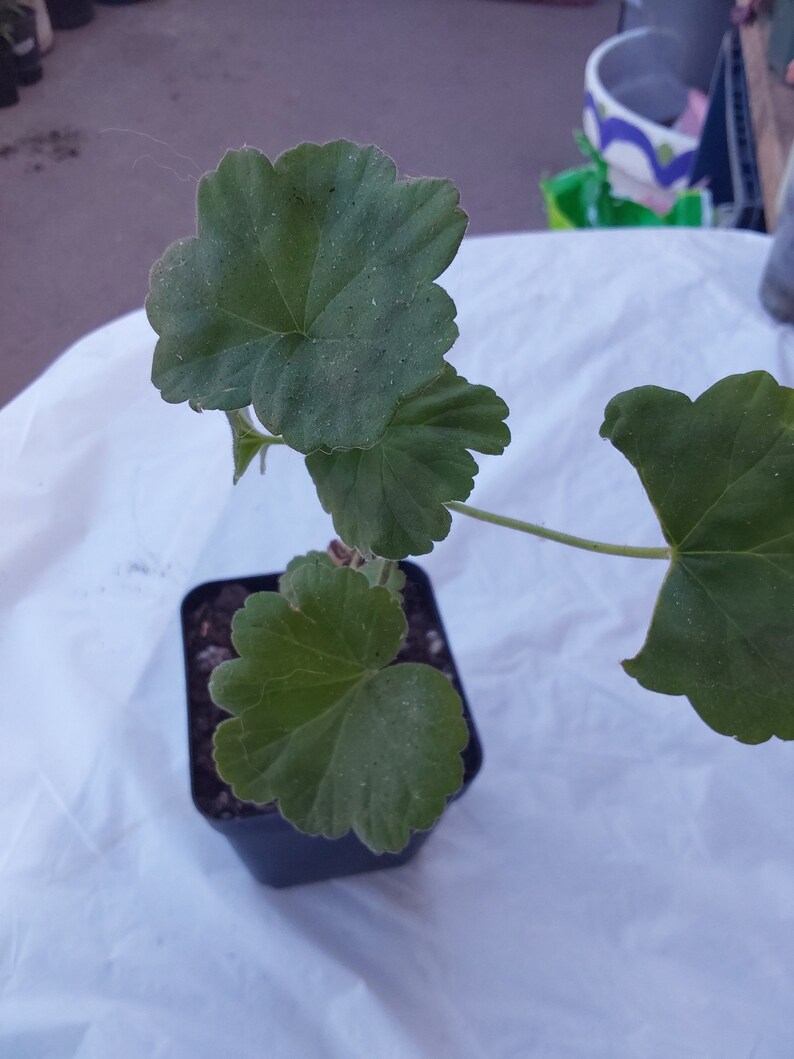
(310, 559)
(389, 499)
(323, 725)
(719, 472)
(308, 292)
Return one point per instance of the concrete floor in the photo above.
(98, 161)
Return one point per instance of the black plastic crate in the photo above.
(725, 160)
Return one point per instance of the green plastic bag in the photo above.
(582, 198)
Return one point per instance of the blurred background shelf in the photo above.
(772, 110)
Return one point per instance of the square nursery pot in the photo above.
(274, 851)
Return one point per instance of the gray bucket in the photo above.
(699, 24)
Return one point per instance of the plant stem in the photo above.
(385, 571)
(563, 538)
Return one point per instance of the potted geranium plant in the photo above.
(308, 296)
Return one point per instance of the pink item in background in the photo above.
(694, 116)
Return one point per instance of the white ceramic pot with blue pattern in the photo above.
(633, 96)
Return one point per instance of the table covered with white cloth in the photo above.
(619, 879)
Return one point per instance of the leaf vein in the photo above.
(781, 436)
(732, 621)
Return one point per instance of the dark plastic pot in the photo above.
(8, 76)
(26, 48)
(274, 851)
(70, 14)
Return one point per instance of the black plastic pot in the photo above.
(70, 14)
(274, 851)
(26, 48)
(8, 76)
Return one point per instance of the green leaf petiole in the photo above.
(562, 538)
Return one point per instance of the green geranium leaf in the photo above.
(389, 499)
(380, 573)
(310, 559)
(308, 292)
(323, 724)
(720, 474)
(386, 574)
(247, 443)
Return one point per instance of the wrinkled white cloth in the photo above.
(619, 880)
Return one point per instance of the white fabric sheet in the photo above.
(619, 880)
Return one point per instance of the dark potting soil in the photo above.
(207, 631)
